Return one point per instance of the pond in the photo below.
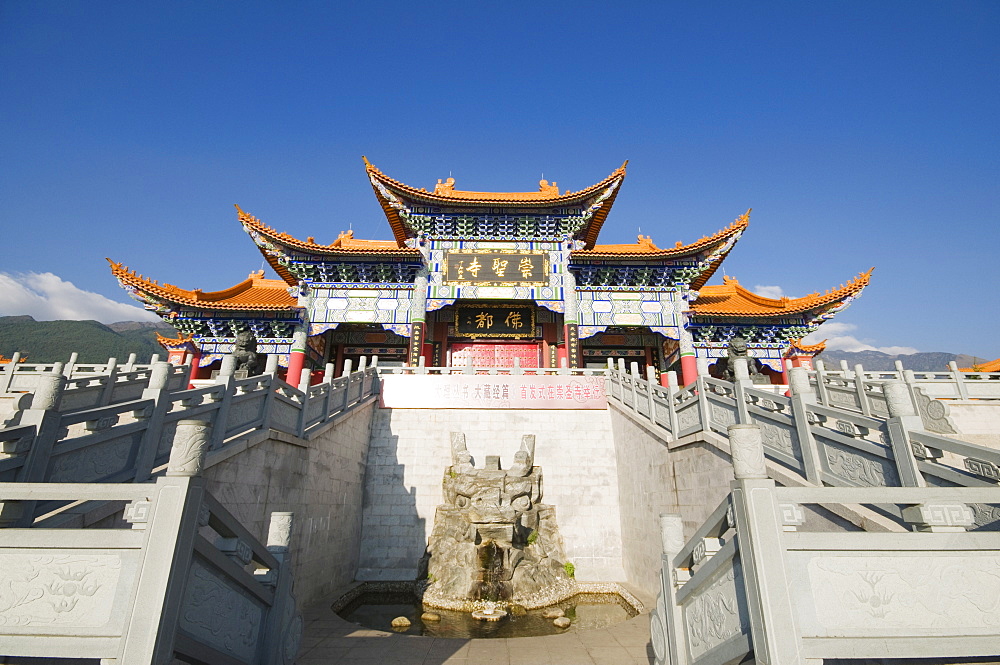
(586, 611)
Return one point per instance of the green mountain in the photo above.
(52, 341)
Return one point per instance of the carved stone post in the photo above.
(279, 532)
(48, 392)
(272, 363)
(802, 395)
(44, 415)
(227, 368)
(170, 536)
(759, 526)
(159, 375)
(187, 454)
(741, 371)
(157, 390)
(902, 420)
(283, 631)
(747, 450)
(671, 391)
(109, 381)
(798, 384)
(666, 621)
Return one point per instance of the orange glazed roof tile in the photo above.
(253, 293)
(445, 192)
(732, 299)
(175, 343)
(991, 366)
(387, 189)
(646, 249)
(345, 245)
(797, 345)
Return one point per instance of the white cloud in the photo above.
(775, 292)
(47, 297)
(837, 339)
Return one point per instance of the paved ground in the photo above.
(329, 640)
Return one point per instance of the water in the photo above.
(587, 611)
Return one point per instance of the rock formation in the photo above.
(493, 541)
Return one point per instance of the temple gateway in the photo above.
(491, 278)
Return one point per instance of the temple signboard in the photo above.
(494, 321)
(481, 391)
(497, 268)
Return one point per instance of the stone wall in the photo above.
(320, 480)
(690, 480)
(410, 450)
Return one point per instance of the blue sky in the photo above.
(861, 133)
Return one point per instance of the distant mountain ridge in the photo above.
(931, 361)
(53, 341)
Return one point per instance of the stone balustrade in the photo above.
(820, 443)
(756, 578)
(87, 386)
(129, 441)
(187, 580)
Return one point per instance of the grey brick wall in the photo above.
(410, 451)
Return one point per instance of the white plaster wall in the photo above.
(410, 449)
(320, 481)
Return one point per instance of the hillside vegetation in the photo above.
(52, 341)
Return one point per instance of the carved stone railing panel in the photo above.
(722, 416)
(52, 590)
(856, 468)
(821, 442)
(152, 592)
(219, 613)
(716, 611)
(284, 415)
(829, 595)
(83, 461)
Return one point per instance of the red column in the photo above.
(689, 362)
(338, 364)
(297, 357)
(195, 366)
(689, 369)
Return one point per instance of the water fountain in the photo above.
(494, 560)
(494, 544)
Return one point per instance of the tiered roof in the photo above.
(346, 246)
(255, 293)
(732, 299)
(396, 197)
(179, 342)
(796, 346)
(713, 249)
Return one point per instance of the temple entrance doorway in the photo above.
(487, 353)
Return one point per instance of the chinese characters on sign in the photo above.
(493, 392)
(494, 321)
(496, 268)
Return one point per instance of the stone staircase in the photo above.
(114, 547)
(878, 541)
